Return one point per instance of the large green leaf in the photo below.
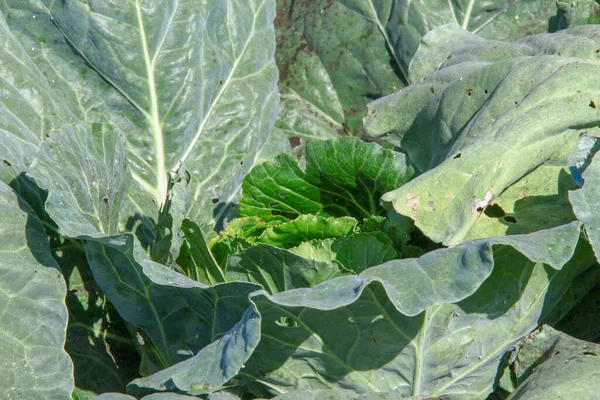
(586, 202)
(212, 366)
(103, 353)
(278, 270)
(548, 354)
(437, 325)
(493, 125)
(177, 87)
(335, 56)
(180, 316)
(33, 315)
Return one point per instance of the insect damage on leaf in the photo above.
(479, 205)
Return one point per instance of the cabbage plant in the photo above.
(244, 199)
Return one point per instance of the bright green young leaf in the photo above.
(33, 315)
(359, 252)
(557, 366)
(306, 228)
(343, 177)
(196, 259)
(239, 234)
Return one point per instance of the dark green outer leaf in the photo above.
(583, 322)
(179, 315)
(445, 275)
(333, 61)
(33, 315)
(449, 350)
(559, 367)
(336, 56)
(586, 203)
(103, 353)
(87, 171)
(301, 346)
(212, 366)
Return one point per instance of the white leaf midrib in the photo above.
(154, 117)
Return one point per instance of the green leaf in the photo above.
(344, 177)
(437, 325)
(586, 201)
(359, 252)
(583, 320)
(491, 127)
(332, 61)
(239, 234)
(212, 366)
(196, 259)
(161, 303)
(278, 270)
(548, 354)
(306, 228)
(87, 199)
(166, 82)
(33, 315)
(335, 57)
(103, 353)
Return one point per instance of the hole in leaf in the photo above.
(516, 102)
(253, 197)
(220, 81)
(242, 162)
(485, 91)
(282, 195)
(589, 353)
(294, 141)
(508, 218)
(469, 92)
(287, 322)
(215, 200)
(432, 89)
(105, 200)
(592, 104)
(494, 211)
(273, 204)
(457, 156)
(7, 163)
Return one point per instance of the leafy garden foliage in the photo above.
(407, 209)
